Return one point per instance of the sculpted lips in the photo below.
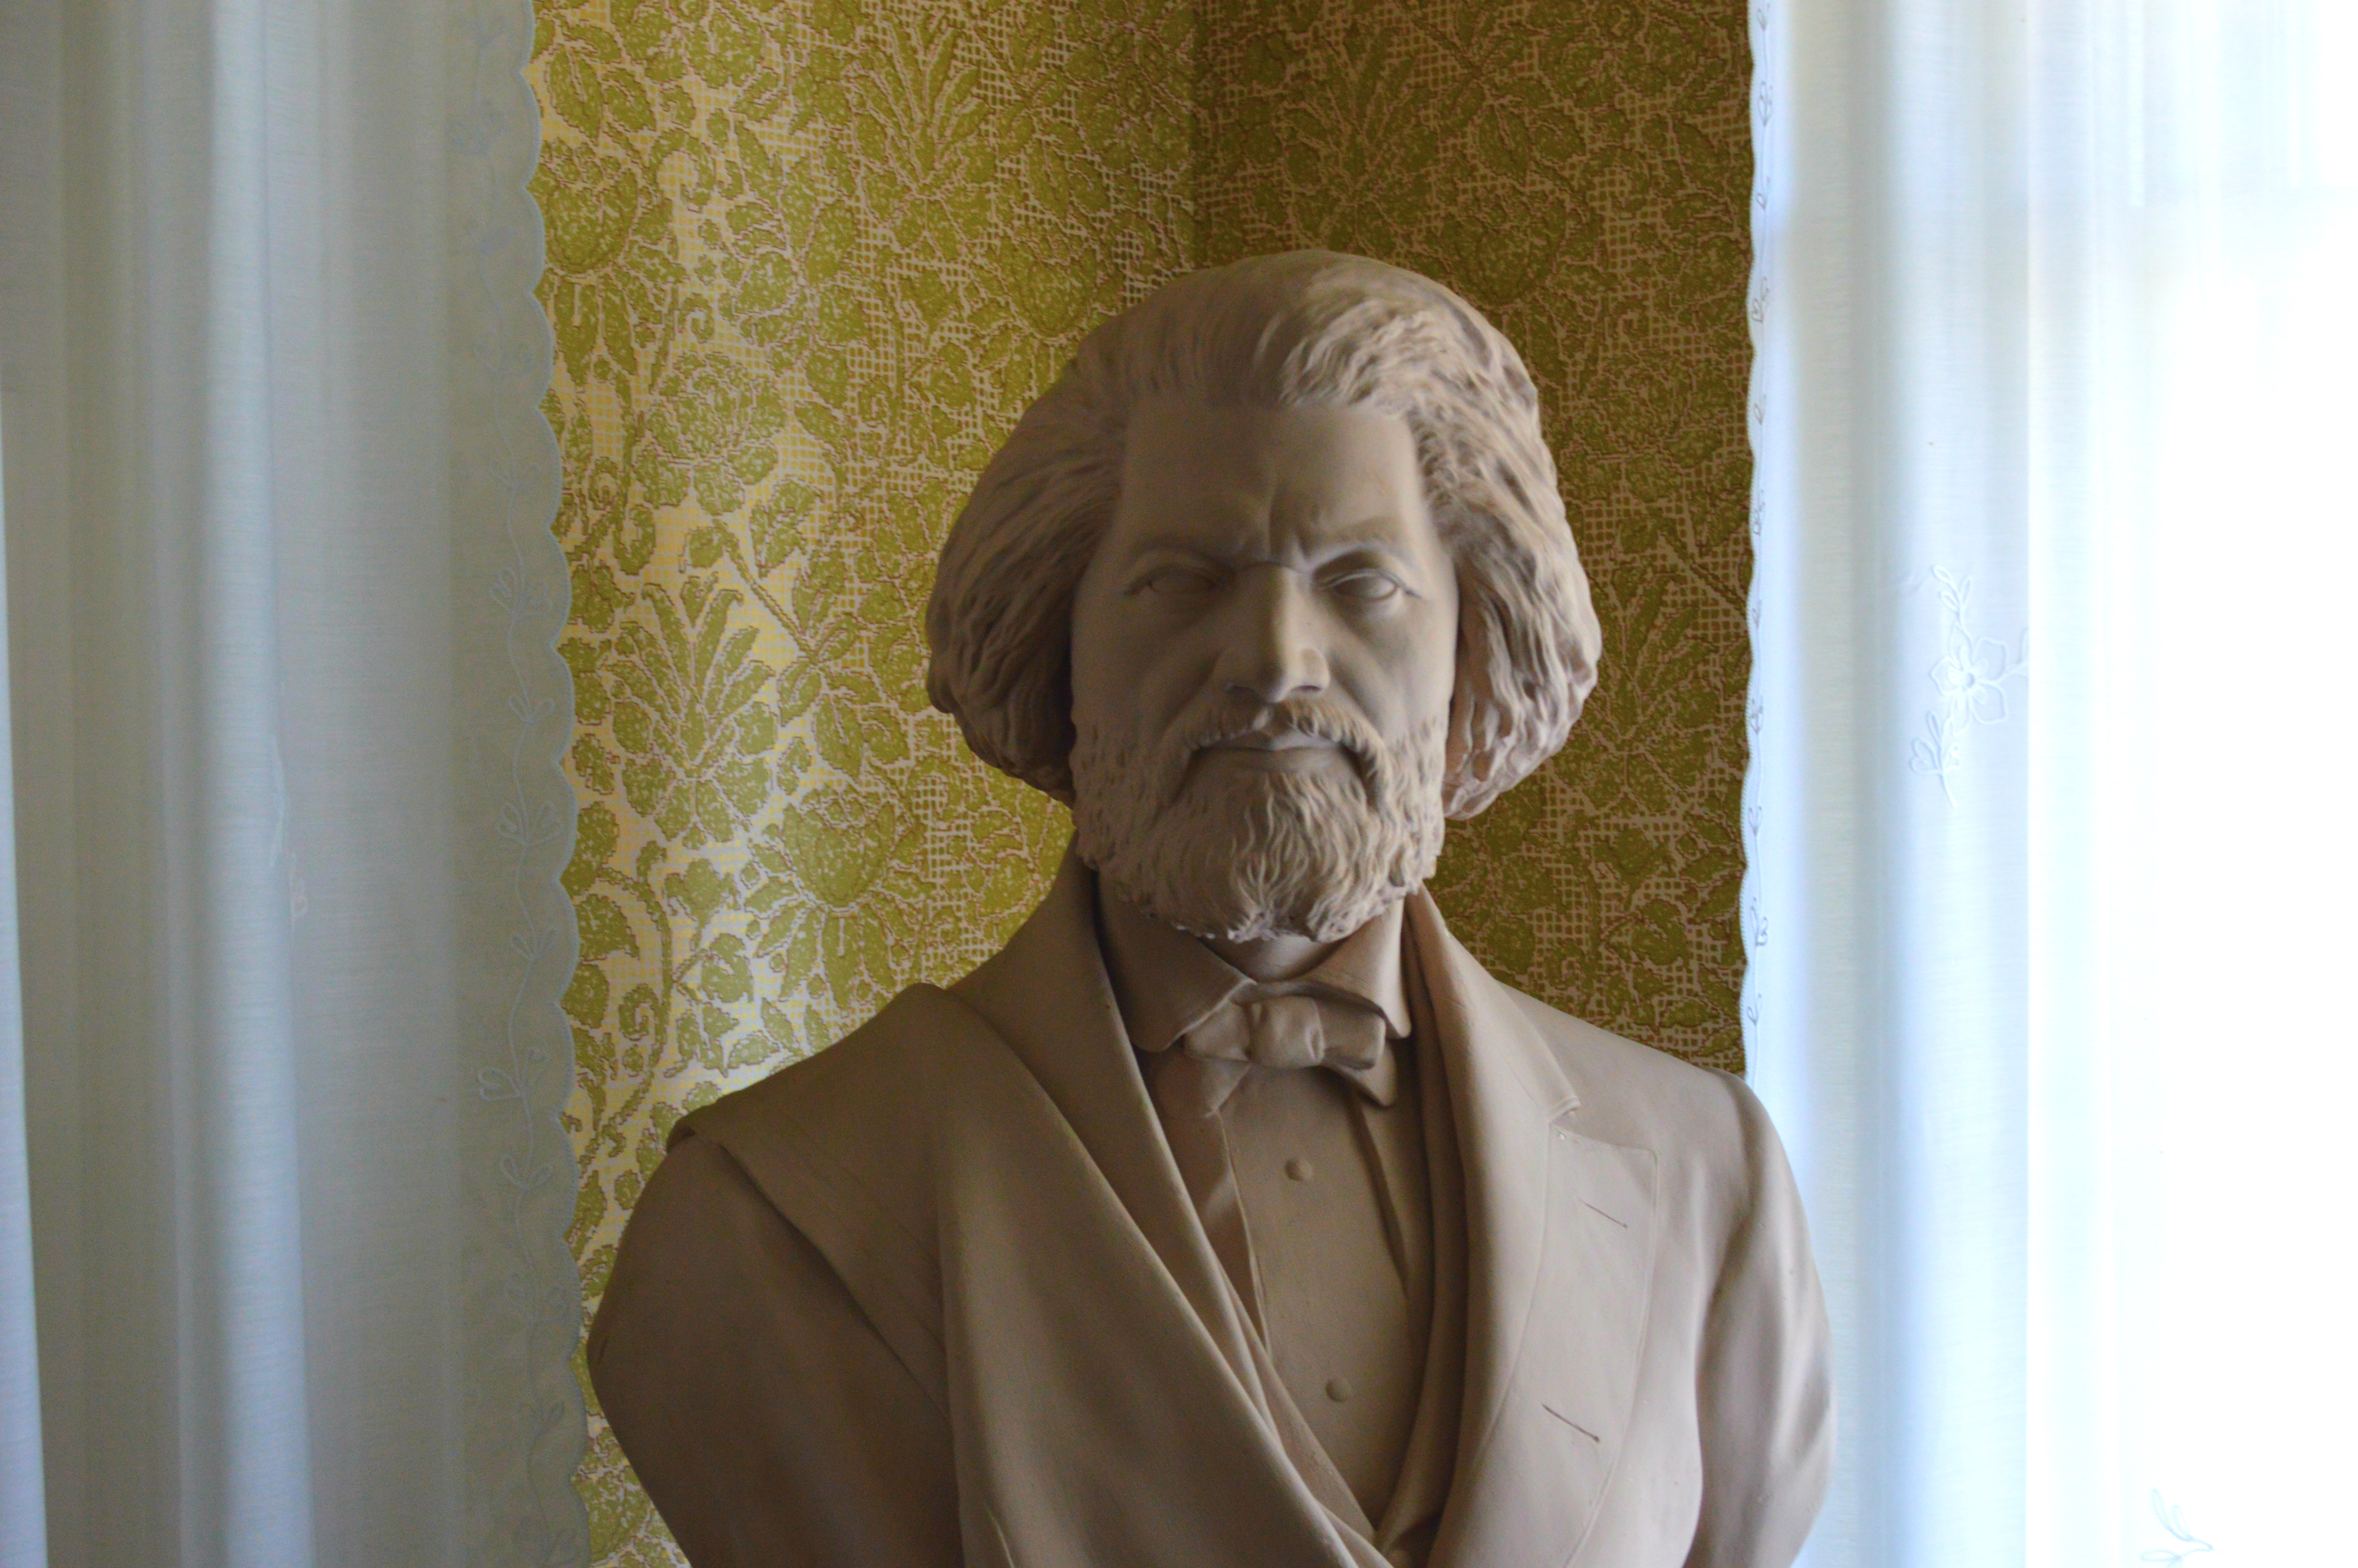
(1287, 750)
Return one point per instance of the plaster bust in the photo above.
(1233, 1214)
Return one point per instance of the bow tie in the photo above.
(1275, 1029)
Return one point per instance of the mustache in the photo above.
(1216, 720)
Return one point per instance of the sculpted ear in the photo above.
(1480, 728)
(1052, 774)
(1526, 663)
(1458, 751)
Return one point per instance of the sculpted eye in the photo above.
(1366, 587)
(1176, 579)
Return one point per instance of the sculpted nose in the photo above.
(1274, 651)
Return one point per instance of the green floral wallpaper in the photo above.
(1581, 172)
(809, 259)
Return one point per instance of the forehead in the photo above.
(1303, 474)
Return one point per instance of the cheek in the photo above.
(1118, 663)
(1441, 651)
(1096, 653)
(1400, 682)
(1420, 658)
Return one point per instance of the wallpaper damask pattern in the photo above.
(1580, 172)
(807, 261)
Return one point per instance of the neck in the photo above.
(1272, 959)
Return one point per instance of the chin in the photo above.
(1238, 854)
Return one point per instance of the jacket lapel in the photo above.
(1560, 1245)
(1560, 1227)
(1068, 1406)
(1047, 995)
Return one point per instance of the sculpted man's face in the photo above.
(1264, 649)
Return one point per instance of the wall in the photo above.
(809, 259)
(1580, 173)
(806, 263)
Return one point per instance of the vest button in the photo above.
(1339, 1390)
(1299, 1169)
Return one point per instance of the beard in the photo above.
(1238, 854)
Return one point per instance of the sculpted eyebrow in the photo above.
(1162, 544)
(1374, 546)
(1371, 546)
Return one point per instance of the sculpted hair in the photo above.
(1307, 327)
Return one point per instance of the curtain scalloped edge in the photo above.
(1749, 918)
(526, 1432)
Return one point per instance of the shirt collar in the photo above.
(1168, 981)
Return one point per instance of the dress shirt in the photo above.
(1323, 1219)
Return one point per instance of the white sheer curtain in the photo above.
(282, 1185)
(23, 1542)
(2054, 891)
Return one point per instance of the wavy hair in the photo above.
(1305, 327)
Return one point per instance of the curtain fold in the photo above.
(282, 614)
(23, 1518)
(2051, 892)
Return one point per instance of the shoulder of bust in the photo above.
(1635, 1094)
(861, 1114)
(842, 1079)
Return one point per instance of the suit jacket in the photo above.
(937, 1296)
